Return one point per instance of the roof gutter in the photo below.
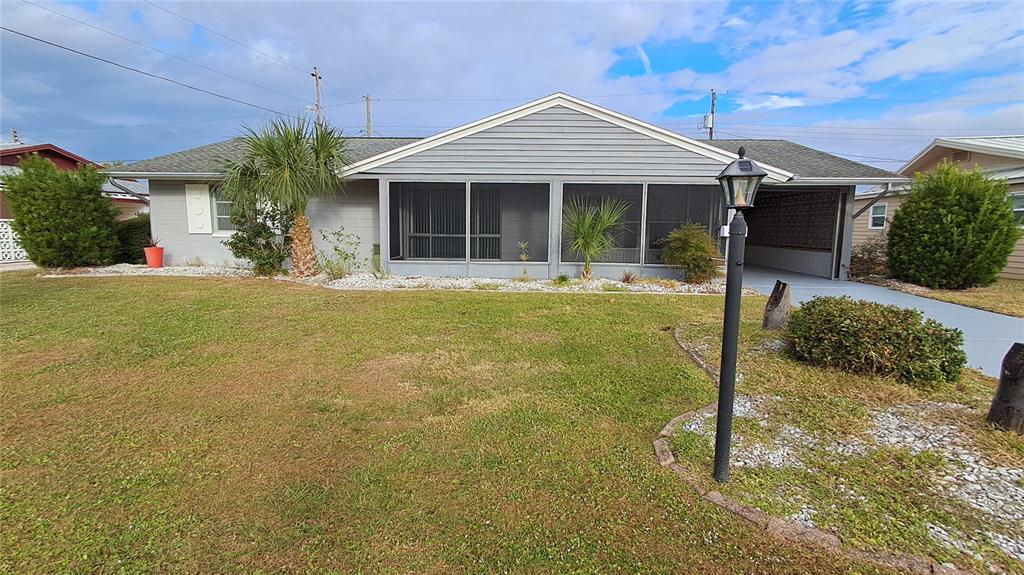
(847, 181)
(167, 175)
(874, 200)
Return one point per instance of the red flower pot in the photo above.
(154, 256)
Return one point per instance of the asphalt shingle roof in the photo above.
(803, 161)
(209, 159)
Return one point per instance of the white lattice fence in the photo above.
(10, 247)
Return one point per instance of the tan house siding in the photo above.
(861, 232)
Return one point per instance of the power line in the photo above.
(144, 73)
(228, 38)
(164, 52)
(861, 128)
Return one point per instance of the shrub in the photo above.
(868, 259)
(691, 249)
(867, 337)
(133, 235)
(262, 238)
(590, 229)
(629, 277)
(954, 230)
(61, 217)
(345, 248)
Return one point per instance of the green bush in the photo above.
(868, 258)
(885, 340)
(954, 230)
(133, 235)
(691, 249)
(62, 218)
(262, 238)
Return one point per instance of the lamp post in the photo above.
(739, 181)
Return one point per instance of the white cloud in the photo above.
(773, 102)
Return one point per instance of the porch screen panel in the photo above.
(431, 220)
(672, 205)
(504, 214)
(627, 240)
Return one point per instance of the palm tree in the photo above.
(591, 228)
(285, 164)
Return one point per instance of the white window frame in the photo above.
(1019, 210)
(872, 215)
(216, 203)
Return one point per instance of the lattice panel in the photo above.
(793, 219)
(10, 247)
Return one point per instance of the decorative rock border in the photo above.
(786, 529)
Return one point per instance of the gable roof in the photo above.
(1008, 146)
(208, 161)
(18, 149)
(784, 161)
(567, 101)
(806, 163)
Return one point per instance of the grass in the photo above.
(1006, 296)
(882, 499)
(251, 425)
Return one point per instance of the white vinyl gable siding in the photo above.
(557, 141)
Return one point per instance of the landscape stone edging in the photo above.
(779, 527)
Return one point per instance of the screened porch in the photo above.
(485, 228)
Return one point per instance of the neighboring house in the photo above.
(458, 203)
(999, 157)
(130, 197)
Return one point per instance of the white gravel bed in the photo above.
(367, 281)
(995, 490)
(141, 270)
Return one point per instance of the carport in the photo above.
(804, 225)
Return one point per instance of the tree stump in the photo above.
(1008, 405)
(776, 312)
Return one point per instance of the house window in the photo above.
(1018, 208)
(670, 206)
(877, 219)
(627, 239)
(221, 212)
(428, 220)
(502, 215)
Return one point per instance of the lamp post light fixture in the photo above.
(739, 180)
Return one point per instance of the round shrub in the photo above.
(872, 338)
(868, 258)
(954, 230)
(133, 235)
(62, 218)
(690, 248)
(262, 238)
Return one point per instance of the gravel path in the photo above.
(369, 282)
(141, 270)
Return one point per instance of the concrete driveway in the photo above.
(987, 335)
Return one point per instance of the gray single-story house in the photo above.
(458, 203)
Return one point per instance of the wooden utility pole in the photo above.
(14, 136)
(319, 106)
(369, 116)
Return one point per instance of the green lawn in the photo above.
(1006, 296)
(162, 424)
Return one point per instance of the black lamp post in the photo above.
(740, 181)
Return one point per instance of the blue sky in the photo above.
(873, 81)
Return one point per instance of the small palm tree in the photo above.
(285, 164)
(591, 228)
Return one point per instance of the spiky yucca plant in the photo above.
(285, 164)
(590, 228)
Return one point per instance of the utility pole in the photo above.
(369, 116)
(319, 106)
(14, 136)
(710, 119)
